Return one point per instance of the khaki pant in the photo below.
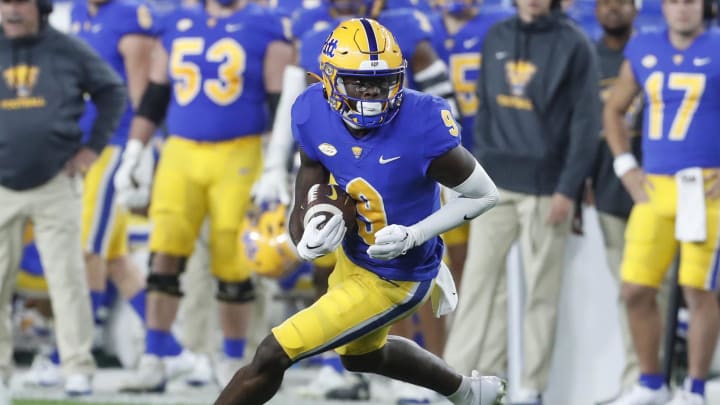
(613, 230)
(54, 208)
(478, 337)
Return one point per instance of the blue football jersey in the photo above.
(305, 20)
(103, 32)
(409, 27)
(216, 71)
(462, 54)
(385, 171)
(682, 98)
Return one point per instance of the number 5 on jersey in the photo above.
(187, 75)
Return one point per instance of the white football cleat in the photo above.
(149, 376)
(683, 397)
(180, 365)
(487, 390)
(43, 373)
(78, 385)
(640, 395)
(202, 373)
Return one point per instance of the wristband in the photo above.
(623, 163)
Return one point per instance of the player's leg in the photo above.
(235, 167)
(699, 276)
(178, 207)
(99, 214)
(404, 360)
(480, 320)
(649, 249)
(357, 303)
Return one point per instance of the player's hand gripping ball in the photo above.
(330, 200)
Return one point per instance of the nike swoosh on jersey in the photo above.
(469, 43)
(386, 161)
(701, 61)
(233, 27)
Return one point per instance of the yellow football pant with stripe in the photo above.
(355, 314)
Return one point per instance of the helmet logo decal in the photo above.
(330, 46)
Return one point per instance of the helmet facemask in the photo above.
(351, 87)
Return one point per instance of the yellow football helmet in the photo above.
(264, 245)
(363, 52)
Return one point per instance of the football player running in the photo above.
(361, 125)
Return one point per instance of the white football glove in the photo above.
(133, 179)
(393, 241)
(319, 242)
(272, 186)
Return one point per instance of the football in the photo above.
(329, 200)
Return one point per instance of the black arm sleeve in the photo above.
(154, 102)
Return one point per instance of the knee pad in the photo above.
(235, 292)
(164, 283)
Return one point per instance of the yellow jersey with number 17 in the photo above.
(216, 71)
(682, 98)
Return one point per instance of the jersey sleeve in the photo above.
(303, 21)
(633, 52)
(274, 25)
(300, 123)
(442, 132)
(137, 18)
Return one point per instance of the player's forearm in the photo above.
(615, 130)
(142, 129)
(478, 194)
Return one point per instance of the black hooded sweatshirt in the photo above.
(537, 125)
(45, 78)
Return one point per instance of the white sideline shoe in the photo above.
(78, 385)
(683, 397)
(149, 376)
(640, 395)
(180, 365)
(43, 373)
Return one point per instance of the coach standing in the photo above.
(536, 133)
(45, 75)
